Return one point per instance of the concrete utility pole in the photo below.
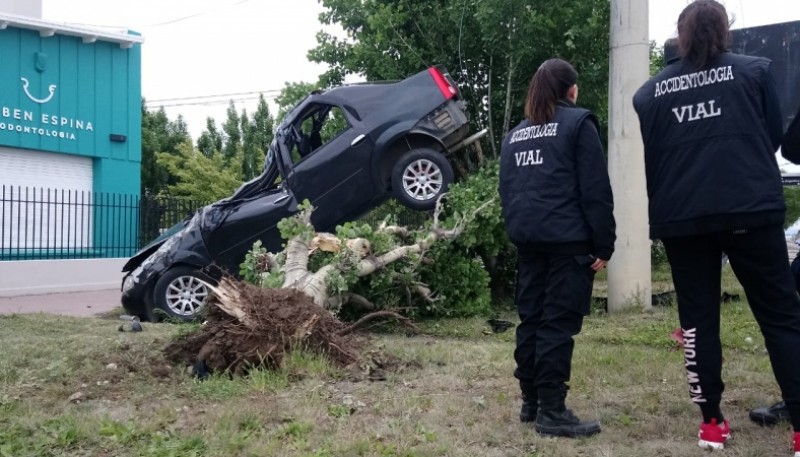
(629, 270)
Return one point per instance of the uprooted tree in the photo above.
(291, 299)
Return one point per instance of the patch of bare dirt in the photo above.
(119, 370)
(375, 365)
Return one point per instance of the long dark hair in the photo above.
(703, 32)
(549, 84)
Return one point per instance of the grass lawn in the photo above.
(78, 387)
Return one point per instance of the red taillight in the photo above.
(449, 91)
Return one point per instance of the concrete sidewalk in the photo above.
(82, 304)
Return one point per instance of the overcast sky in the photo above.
(209, 47)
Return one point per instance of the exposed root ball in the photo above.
(269, 323)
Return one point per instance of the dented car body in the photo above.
(346, 150)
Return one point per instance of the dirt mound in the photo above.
(269, 323)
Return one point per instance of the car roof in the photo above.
(363, 99)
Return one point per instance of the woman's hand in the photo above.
(599, 264)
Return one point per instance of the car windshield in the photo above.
(266, 181)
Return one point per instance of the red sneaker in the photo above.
(714, 436)
(796, 444)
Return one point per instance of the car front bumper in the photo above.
(137, 296)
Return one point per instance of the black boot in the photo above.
(528, 411)
(770, 415)
(554, 419)
(530, 402)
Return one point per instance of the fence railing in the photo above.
(61, 224)
(158, 214)
(39, 224)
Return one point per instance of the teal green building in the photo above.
(70, 121)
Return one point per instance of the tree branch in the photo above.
(425, 292)
(316, 286)
(372, 264)
(349, 297)
(397, 230)
(479, 150)
(271, 262)
(371, 317)
(325, 242)
(438, 211)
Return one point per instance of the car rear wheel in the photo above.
(182, 292)
(420, 177)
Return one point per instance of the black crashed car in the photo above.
(346, 150)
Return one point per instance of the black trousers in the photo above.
(759, 260)
(552, 297)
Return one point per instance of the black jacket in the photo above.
(554, 186)
(710, 138)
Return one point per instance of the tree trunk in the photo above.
(509, 80)
(297, 253)
(296, 267)
(512, 68)
(489, 101)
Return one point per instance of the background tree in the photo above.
(251, 155)
(232, 132)
(210, 140)
(292, 94)
(159, 135)
(200, 177)
(240, 134)
(657, 62)
(262, 125)
(257, 135)
(490, 47)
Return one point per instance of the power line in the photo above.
(192, 16)
(233, 94)
(204, 102)
(158, 24)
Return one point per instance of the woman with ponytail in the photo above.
(711, 124)
(558, 210)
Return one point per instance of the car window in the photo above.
(316, 129)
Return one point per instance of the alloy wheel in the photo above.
(422, 180)
(186, 295)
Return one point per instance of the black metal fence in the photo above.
(61, 224)
(39, 224)
(158, 214)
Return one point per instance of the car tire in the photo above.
(148, 316)
(182, 292)
(420, 177)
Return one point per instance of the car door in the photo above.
(251, 213)
(334, 174)
(244, 222)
